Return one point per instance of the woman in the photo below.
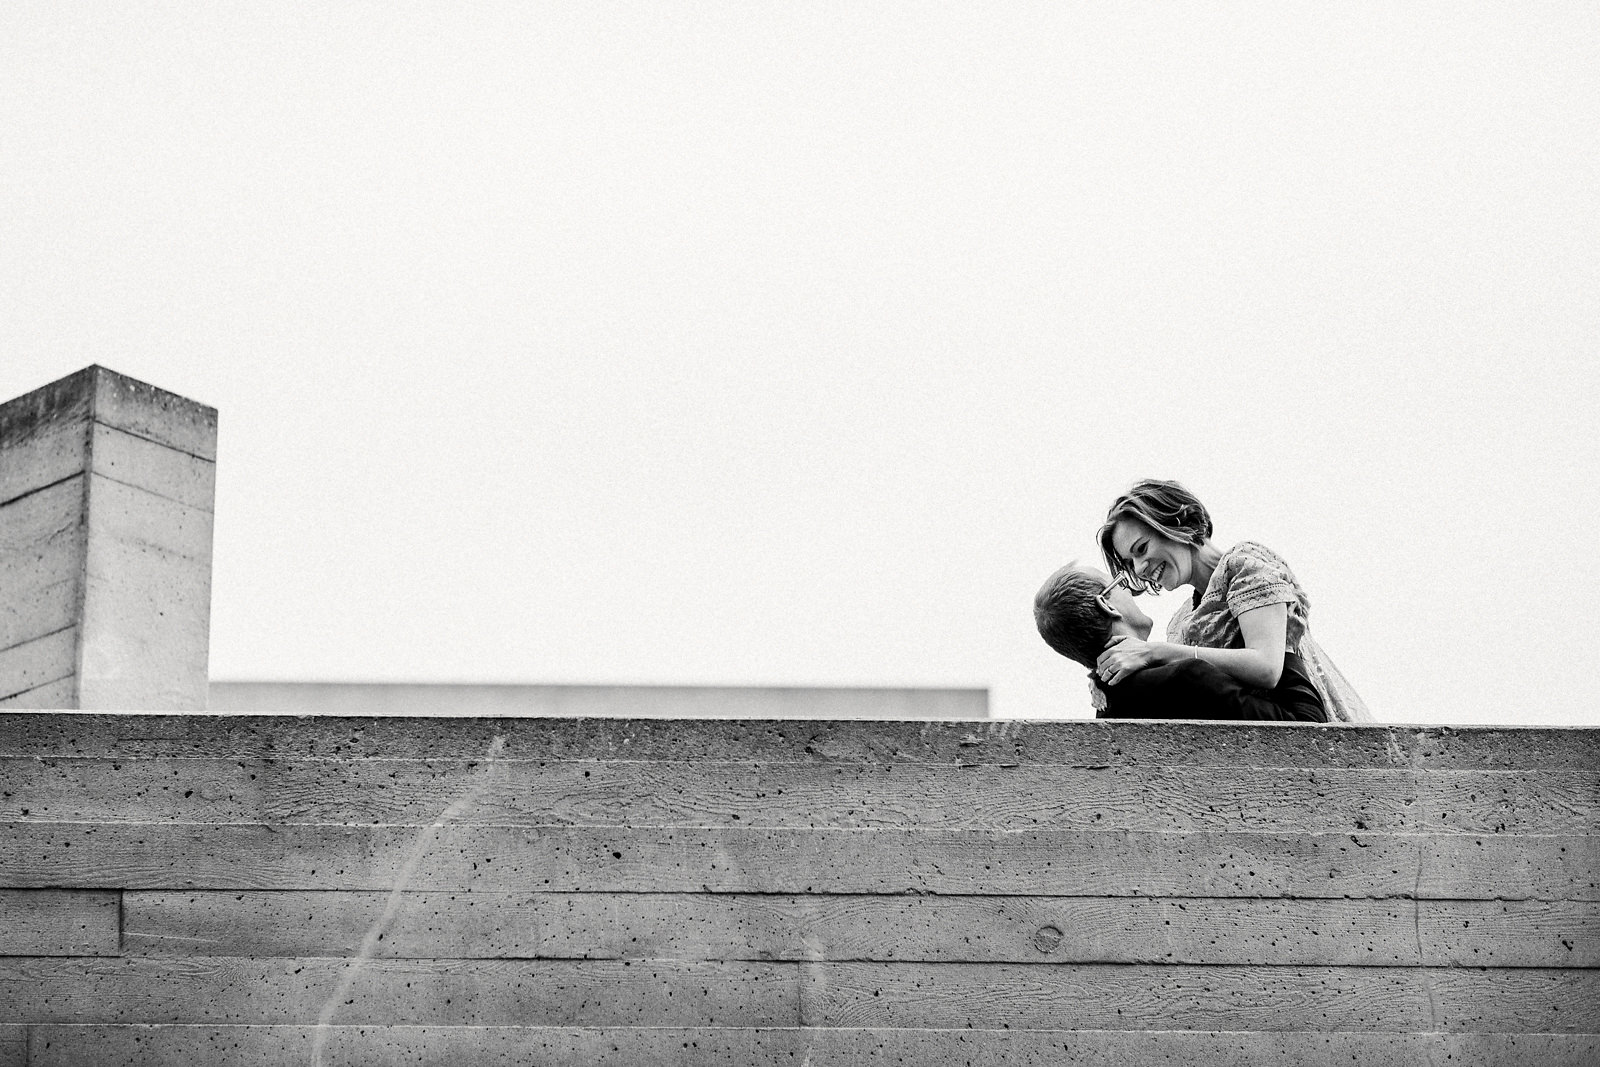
(1248, 614)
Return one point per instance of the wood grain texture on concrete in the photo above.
(760, 994)
(721, 860)
(14, 1046)
(59, 922)
(59, 693)
(1084, 743)
(525, 792)
(28, 667)
(575, 891)
(521, 1046)
(766, 927)
(110, 399)
(146, 618)
(106, 488)
(142, 464)
(39, 461)
(42, 544)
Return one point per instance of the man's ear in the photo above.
(1105, 605)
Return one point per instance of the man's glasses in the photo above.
(1126, 580)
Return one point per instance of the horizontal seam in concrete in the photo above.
(30, 640)
(164, 444)
(42, 488)
(795, 962)
(31, 688)
(916, 831)
(795, 895)
(588, 761)
(152, 492)
(557, 1027)
(1132, 960)
(888, 894)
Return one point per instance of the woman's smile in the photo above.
(1156, 560)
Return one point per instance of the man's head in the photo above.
(1078, 610)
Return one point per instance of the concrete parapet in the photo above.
(258, 890)
(106, 495)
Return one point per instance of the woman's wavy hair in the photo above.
(1166, 507)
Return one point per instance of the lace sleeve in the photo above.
(1256, 580)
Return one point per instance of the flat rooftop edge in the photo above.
(946, 741)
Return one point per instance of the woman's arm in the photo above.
(1259, 663)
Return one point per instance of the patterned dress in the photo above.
(1248, 576)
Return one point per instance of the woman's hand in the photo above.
(1125, 655)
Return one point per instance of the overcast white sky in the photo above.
(797, 343)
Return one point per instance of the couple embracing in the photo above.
(1238, 649)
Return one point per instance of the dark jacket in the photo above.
(1194, 689)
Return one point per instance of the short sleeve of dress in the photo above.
(1258, 578)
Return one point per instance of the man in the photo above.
(1079, 612)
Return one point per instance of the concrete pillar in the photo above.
(106, 491)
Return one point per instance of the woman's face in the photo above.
(1152, 555)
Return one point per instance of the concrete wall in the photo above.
(238, 890)
(631, 701)
(106, 488)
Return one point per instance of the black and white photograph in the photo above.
(820, 534)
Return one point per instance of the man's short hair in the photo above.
(1070, 617)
